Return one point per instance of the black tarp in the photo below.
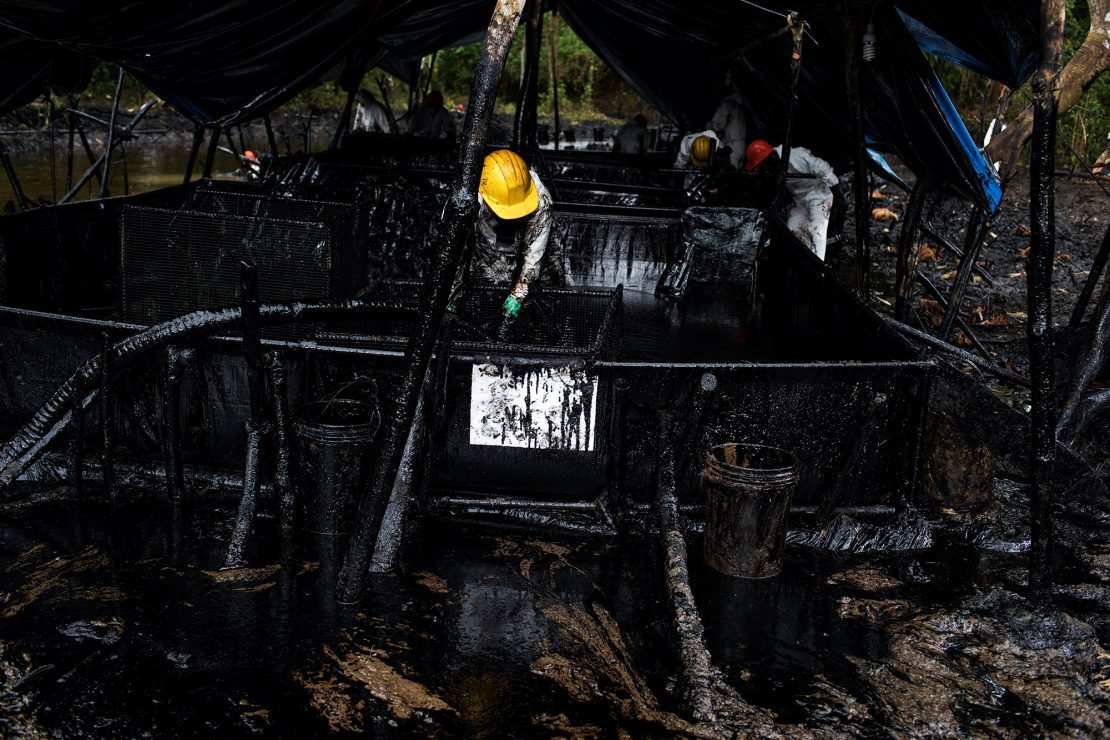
(223, 62)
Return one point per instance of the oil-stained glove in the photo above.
(510, 308)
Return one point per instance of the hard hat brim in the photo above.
(526, 207)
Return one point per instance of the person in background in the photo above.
(632, 137)
(370, 115)
(730, 123)
(813, 196)
(512, 232)
(431, 119)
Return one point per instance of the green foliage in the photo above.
(588, 88)
(1081, 132)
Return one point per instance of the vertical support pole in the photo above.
(210, 158)
(524, 123)
(256, 426)
(797, 34)
(344, 122)
(554, 44)
(428, 78)
(171, 423)
(1042, 218)
(279, 402)
(72, 142)
(270, 138)
(106, 463)
(9, 169)
(231, 143)
(78, 470)
(855, 20)
(451, 232)
(198, 137)
(862, 182)
(111, 134)
(245, 515)
(906, 263)
(252, 339)
(976, 232)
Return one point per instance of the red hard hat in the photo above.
(758, 151)
(434, 99)
(250, 155)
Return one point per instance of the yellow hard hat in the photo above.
(507, 186)
(700, 151)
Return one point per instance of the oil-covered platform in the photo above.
(515, 588)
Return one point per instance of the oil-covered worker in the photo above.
(730, 123)
(513, 230)
(813, 196)
(696, 150)
(431, 119)
(371, 115)
(632, 137)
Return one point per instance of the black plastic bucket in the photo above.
(335, 437)
(747, 495)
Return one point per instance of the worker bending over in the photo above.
(513, 230)
(813, 196)
(696, 150)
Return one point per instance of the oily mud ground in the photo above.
(995, 313)
(115, 622)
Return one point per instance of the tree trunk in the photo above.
(1081, 71)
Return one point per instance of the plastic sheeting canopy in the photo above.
(233, 60)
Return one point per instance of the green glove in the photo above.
(511, 306)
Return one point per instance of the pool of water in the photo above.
(138, 168)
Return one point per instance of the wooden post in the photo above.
(555, 75)
(524, 127)
(111, 134)
(451, 232)
(797, 32)
(210, 158)
(1042, 219)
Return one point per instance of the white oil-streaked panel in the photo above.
(545, 408)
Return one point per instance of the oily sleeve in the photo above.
(534, 241)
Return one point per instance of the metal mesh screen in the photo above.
(584, 323)
(616, 249)
(174, 261)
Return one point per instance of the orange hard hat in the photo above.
(250, 155)
(758, 151)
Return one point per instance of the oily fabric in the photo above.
(813, 198)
